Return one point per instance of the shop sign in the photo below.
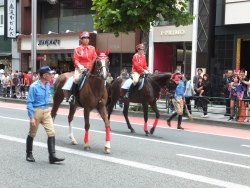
(52, 1)
(173, 32)
(114, 46)
(49, 42)
(39, 58)
(11, 18)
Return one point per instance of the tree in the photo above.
(128, 15)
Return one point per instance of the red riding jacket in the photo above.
(84, 55)
(139, 63)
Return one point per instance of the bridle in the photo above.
(101, 57)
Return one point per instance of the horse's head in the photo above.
(102, 63)
(173, 82)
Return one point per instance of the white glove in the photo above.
(145, 71)
(81, 67)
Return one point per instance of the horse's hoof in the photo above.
(152, 130)
(74, 142)
(87, 148)
(147, 133)
(132, 130)
(107, 150)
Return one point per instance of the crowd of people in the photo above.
(14, 84)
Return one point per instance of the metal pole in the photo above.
(34, 32)
(194, 38)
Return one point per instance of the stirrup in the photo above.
(126, 96)
(72, 99)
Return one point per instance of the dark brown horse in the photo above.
(148, 95)
(92, 95)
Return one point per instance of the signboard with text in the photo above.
(10, 18)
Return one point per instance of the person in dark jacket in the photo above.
(228, 79)
(206, 86)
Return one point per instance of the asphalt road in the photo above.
(169, 158)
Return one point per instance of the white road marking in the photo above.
(215, 161)
(158, 126)
(147, 139)
(245, 146)
(133, 164)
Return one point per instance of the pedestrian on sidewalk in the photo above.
(235, 93)
(178, 100)
(226, 82)
(206, 87)
(188, 92)
(38, 111)
(195, 83)
(244, 81)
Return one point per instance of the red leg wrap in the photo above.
(156, 121)
(107, 134)
(86, 137)
(145, 126)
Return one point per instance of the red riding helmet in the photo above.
(84, 34)
(140, 47)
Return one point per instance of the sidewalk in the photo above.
(215, 114)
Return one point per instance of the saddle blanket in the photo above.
(69, 83)
(128, 83)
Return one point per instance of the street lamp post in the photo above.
(33, 36)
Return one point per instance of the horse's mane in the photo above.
(92, 67)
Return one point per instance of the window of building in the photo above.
(1, 19)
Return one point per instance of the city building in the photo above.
(5, 45)
(59, 24)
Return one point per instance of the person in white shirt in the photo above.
(6, 82)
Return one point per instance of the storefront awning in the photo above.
(5, 54)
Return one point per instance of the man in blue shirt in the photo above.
(178, 100)
(38, 111)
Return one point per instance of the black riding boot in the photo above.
(73, 92)
(170, 118)
(127, 95)
(29, 146)
(179, 122)
(52, 153)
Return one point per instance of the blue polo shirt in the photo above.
(179, 90)
(38, 96)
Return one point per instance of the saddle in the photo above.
(81, 79)
(129, 82)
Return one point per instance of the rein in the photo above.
(155, 83)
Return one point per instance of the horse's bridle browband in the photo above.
(101, 57)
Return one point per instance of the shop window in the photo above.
(1, 19)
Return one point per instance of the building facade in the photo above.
(5, 45)
(65, 20)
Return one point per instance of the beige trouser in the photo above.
(77, 74)
(42, 116)
(178, 106)
(135, 76)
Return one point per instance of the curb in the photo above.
(163, 116)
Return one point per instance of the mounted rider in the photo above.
(139, 66)
(84, 56)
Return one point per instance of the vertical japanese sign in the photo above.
(10, 18)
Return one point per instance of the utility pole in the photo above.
(194, 38)
(34, 33)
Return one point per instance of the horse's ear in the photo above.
(98, 52)
(107, 52)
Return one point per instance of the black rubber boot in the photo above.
(29, 147)
(127, 95)
(170, 118)
(73, 92)
(52, 153)
(179, 122)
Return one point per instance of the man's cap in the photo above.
(1, 71)
(140, 47)
(45, 69)
(84, 34)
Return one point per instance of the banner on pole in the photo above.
(10, 18)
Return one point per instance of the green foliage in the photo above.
(127, 15)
